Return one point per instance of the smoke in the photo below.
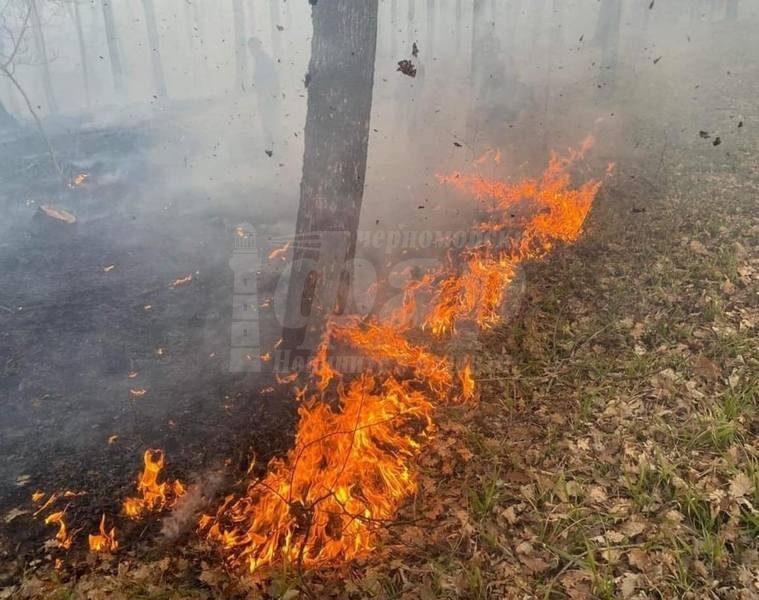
(199, 495)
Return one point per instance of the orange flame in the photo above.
(63, 537)
(154, 496)
(352, 463)
(105, 541)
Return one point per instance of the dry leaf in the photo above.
(740, 486)
(58, 214)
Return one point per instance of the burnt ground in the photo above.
(70, 332)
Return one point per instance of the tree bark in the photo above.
(113, 47)
(340, 89)
(39, 39)
(154, 46)
(241, 46)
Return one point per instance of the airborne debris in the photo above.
(717, 141)
(704, 134)
(269, 153)
(657, 59)
(407, 68)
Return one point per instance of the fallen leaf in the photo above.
(58, 214)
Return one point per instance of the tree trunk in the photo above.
(478, 37)
(732, 10)
(83, 54)
(459, 22)
(39, 40)
(154, 46)
(340, 90)
(393, 28)
(241, 46)
(607, 36)
(113, 47)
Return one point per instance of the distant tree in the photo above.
(111, 38)
(44, 59)
(154, 46)
(14, 28)
(83, 55)
(607, 37)
(241, 45)
(732, 10)
(340, 88)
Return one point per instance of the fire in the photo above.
(352, 464)
(279, 252)
(348, 471)
(62, 536)
(153, 495)
(79, 179)
(180, 281)
(105, 541)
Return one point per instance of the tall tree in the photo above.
(83, 57)
(607, 37)
(732, 10)
(41, 46)
(114, 56)
(459, 22)
(393, 27)
(241, 45)
(341, 82)
(154, 46)
(478, 37)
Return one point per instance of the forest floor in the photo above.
(613, 452)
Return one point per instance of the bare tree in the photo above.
(154, 45)
(111, 38)
(341, 81)
(241, 45)
(8, 63)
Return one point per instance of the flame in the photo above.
(63, 537)
(279, 252)
(105, 541)
(352, 464)
(180, 281)
(79, 179)
(154, 496)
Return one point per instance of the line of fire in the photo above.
(378, 299)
